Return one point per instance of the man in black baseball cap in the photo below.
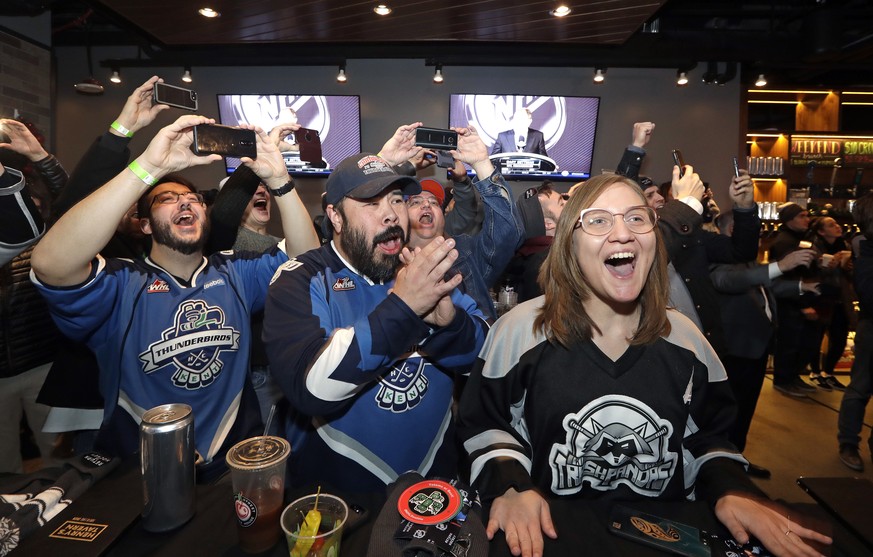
(364, 337)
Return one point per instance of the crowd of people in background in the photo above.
(641, 338)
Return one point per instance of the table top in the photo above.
(213, 529)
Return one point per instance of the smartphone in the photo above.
(667, 535)
(171, 95)
(679, 161)
(310, 147)
(224, 140)
(736, 167)
(435, 138)
(445, 159)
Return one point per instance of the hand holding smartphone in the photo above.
(679, 161)
(224, 140)
(435, 138)
(310, 147)
(736, 167)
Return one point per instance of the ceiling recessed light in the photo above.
(382, 9)
(560, 11)
(208, 12)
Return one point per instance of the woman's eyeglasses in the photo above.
(599, 222)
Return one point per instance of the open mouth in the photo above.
(426, 218)
(621, 264)
(390, 241)
(185, 219)
(260, 204)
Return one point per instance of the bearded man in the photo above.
(365, 338)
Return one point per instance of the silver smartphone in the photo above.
(179, 97)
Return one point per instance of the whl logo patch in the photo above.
(193, 344)
(345, 283)
(159, 285)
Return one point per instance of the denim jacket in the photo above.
(483, 257)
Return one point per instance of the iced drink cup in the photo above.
(257, 471)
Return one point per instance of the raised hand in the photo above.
(21, 140)
(269, 166)
(742, 191)
(472, 150)
(689, 185)
(139, 111)
(401, 147)
(170, 150)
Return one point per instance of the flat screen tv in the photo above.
(532, 137)
(336, 118)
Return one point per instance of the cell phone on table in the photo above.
(310, 147)
(679, 161)
(436, 138)
(736, 166)
(658, 532)
(171, 95)
(224, 140)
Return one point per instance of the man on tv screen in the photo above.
(521, 138)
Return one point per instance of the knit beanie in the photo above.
(788, 211)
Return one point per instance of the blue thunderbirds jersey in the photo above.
(373, 379)
(159, 341)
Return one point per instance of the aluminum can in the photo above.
(167, 457)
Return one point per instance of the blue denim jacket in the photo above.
(483, 257)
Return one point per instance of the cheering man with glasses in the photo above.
(482, 257)
(176, 327)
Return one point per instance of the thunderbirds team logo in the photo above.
(404, 386)
(613, 440)
(193, 344)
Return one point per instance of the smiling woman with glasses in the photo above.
(597, 391)
(599, 222)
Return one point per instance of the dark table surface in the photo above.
(582, 525)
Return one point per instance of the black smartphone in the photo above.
(171, 95)
(310, 147)
(445, 159)
(679, 161)
(224, 140)
(736, 167)
(435, 138)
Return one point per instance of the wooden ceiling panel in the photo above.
(176, 23)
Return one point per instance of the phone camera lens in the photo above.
(193, 95)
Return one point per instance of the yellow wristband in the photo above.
(142, 174)
(121, 129)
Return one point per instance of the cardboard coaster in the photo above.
(429, 502)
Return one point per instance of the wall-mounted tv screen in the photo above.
(336, 118)
(532, 137)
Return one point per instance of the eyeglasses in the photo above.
(172, 197)
(418, 201)
(599, 222)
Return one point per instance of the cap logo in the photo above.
(372, 164)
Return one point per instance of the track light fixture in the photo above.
(761, 81)
(681, 78)
(599, 75)
(341, 75)
(186, 76)
(438, 74)
(116, 76)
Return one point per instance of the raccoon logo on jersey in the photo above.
(193, 344)
(404, 386)
(614, 440)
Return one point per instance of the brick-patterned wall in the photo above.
(25, 82)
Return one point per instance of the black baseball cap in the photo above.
(364, 176)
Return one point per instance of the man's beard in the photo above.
(377, 266)
(162, 233)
